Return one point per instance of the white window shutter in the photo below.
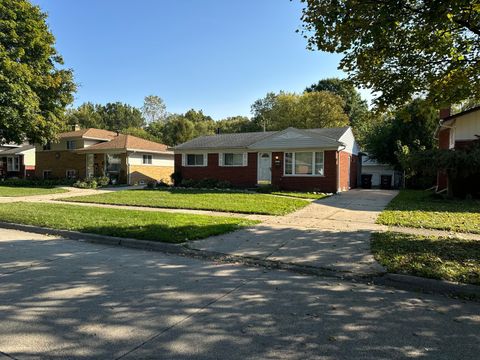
(220, 159)
(245, 159)
(184, 161)
(205, 158)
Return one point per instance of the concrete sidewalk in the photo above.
(332, 234)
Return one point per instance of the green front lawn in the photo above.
(216, 200)
(28, 191)
(301, 195)
(432, 257)
(145, 225)
(422, 209)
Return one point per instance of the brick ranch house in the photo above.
(85, 153)
(17, 161)
(456, 132)
(293, 159)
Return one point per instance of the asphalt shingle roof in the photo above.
(17, 150)
(244, 140)
(239, 140)
(127, 142)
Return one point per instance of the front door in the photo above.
(264, 168)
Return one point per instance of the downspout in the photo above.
(338, 167)
(128, 167)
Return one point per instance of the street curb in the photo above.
(398, 281)
(415, 283)
(184, 250)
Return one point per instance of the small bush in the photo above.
(151, 185)
(47, 183)
(91, 183)
(103, 180)
(162, 184)
(266, 189)
(206, 183)
(177, 178)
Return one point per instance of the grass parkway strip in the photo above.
(432, 257)
(15, 191)
(144, 225)
(216, 200)
(423, 209)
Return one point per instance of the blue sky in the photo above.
(215, 55)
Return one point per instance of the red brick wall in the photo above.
(444, 138)
(243, 176)
(344, 168)
(327, 183)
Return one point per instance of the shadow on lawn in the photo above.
(163, 233)
(84, 301)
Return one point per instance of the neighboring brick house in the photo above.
(458, 131)
(17, 161)
(292, 159)
(92, 152)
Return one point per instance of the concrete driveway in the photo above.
(64, 299)
(332, 233)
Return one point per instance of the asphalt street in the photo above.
(65, 299)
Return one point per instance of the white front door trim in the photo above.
(264, 168)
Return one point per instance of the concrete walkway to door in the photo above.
(332, 234)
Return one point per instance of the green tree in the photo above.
(86, 115)
(402, 48)
(177, 130)
(203, 124)
(355, 107)
(118, 116)
(409, 128)
(154, 109)
(236, 124)
(33, 91)
(308, 110)
(141, 133)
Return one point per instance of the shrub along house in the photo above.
(458, 132)
(85, 153)
(293, 159)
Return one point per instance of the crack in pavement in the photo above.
(8, 355)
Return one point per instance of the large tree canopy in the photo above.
(154, 109)
(355, 107)
(409, 127)
(402, 48)
(111, 116)
(307, 110)
(33, 91)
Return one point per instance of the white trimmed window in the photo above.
(304, 163)
(232, 159)
(47, 174)
(195, 160)
(70, 144)
(71, 174)
(147, 159)
(13, 163)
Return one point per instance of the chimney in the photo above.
(75, 127)
(118, 132)
(445, 112)
(217, 131)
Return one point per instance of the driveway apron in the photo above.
(332, 233)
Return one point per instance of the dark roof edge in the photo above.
(454, 116)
